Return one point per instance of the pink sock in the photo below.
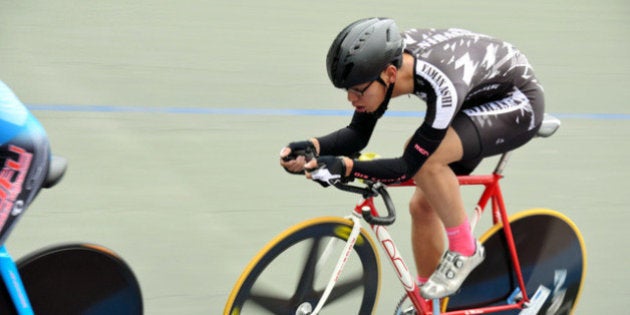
(422, 280)
(460, 239)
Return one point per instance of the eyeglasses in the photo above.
(360, 92)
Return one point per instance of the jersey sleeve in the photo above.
(350, 140)
(421, 145)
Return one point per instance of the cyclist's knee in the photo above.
(430, 171)
(419, 207)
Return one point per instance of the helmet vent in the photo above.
(346, 70)
(360, 41)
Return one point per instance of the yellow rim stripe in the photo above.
(279, 238)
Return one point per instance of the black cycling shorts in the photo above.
(498, 126)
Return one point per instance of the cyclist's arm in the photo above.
(442, 96)
(351, 139)
(422, 144)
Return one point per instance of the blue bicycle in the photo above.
(65, 279)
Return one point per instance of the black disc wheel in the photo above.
(289, 275)
(553, 261)
(77, 279)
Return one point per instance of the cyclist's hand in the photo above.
(295, 155)
(327, 170)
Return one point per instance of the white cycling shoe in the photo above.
(451, 273)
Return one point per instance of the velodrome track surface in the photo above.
(172, 116)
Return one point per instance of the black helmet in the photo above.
(362, 50)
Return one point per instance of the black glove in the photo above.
(303, 148)
(330, 171)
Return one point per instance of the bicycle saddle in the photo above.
(549, 126)
(56, 170)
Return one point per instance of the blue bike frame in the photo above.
(13, 282)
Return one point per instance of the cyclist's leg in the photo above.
(441, 189)
(486, 129)
(440, 202)
(426, 235)
(439, 183)
(427, 229)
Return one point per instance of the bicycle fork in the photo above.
(13, 283)
(388, 245)
(341, 262)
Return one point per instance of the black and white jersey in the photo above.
(457, 69)
(464, 78)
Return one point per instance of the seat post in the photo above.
(502, 163)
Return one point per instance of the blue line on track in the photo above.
(271, 111)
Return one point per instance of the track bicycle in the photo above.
(67, 279)
(535, 261)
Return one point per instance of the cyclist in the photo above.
(24, 159)
(482, 99)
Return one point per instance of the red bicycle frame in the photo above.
(492, 192)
